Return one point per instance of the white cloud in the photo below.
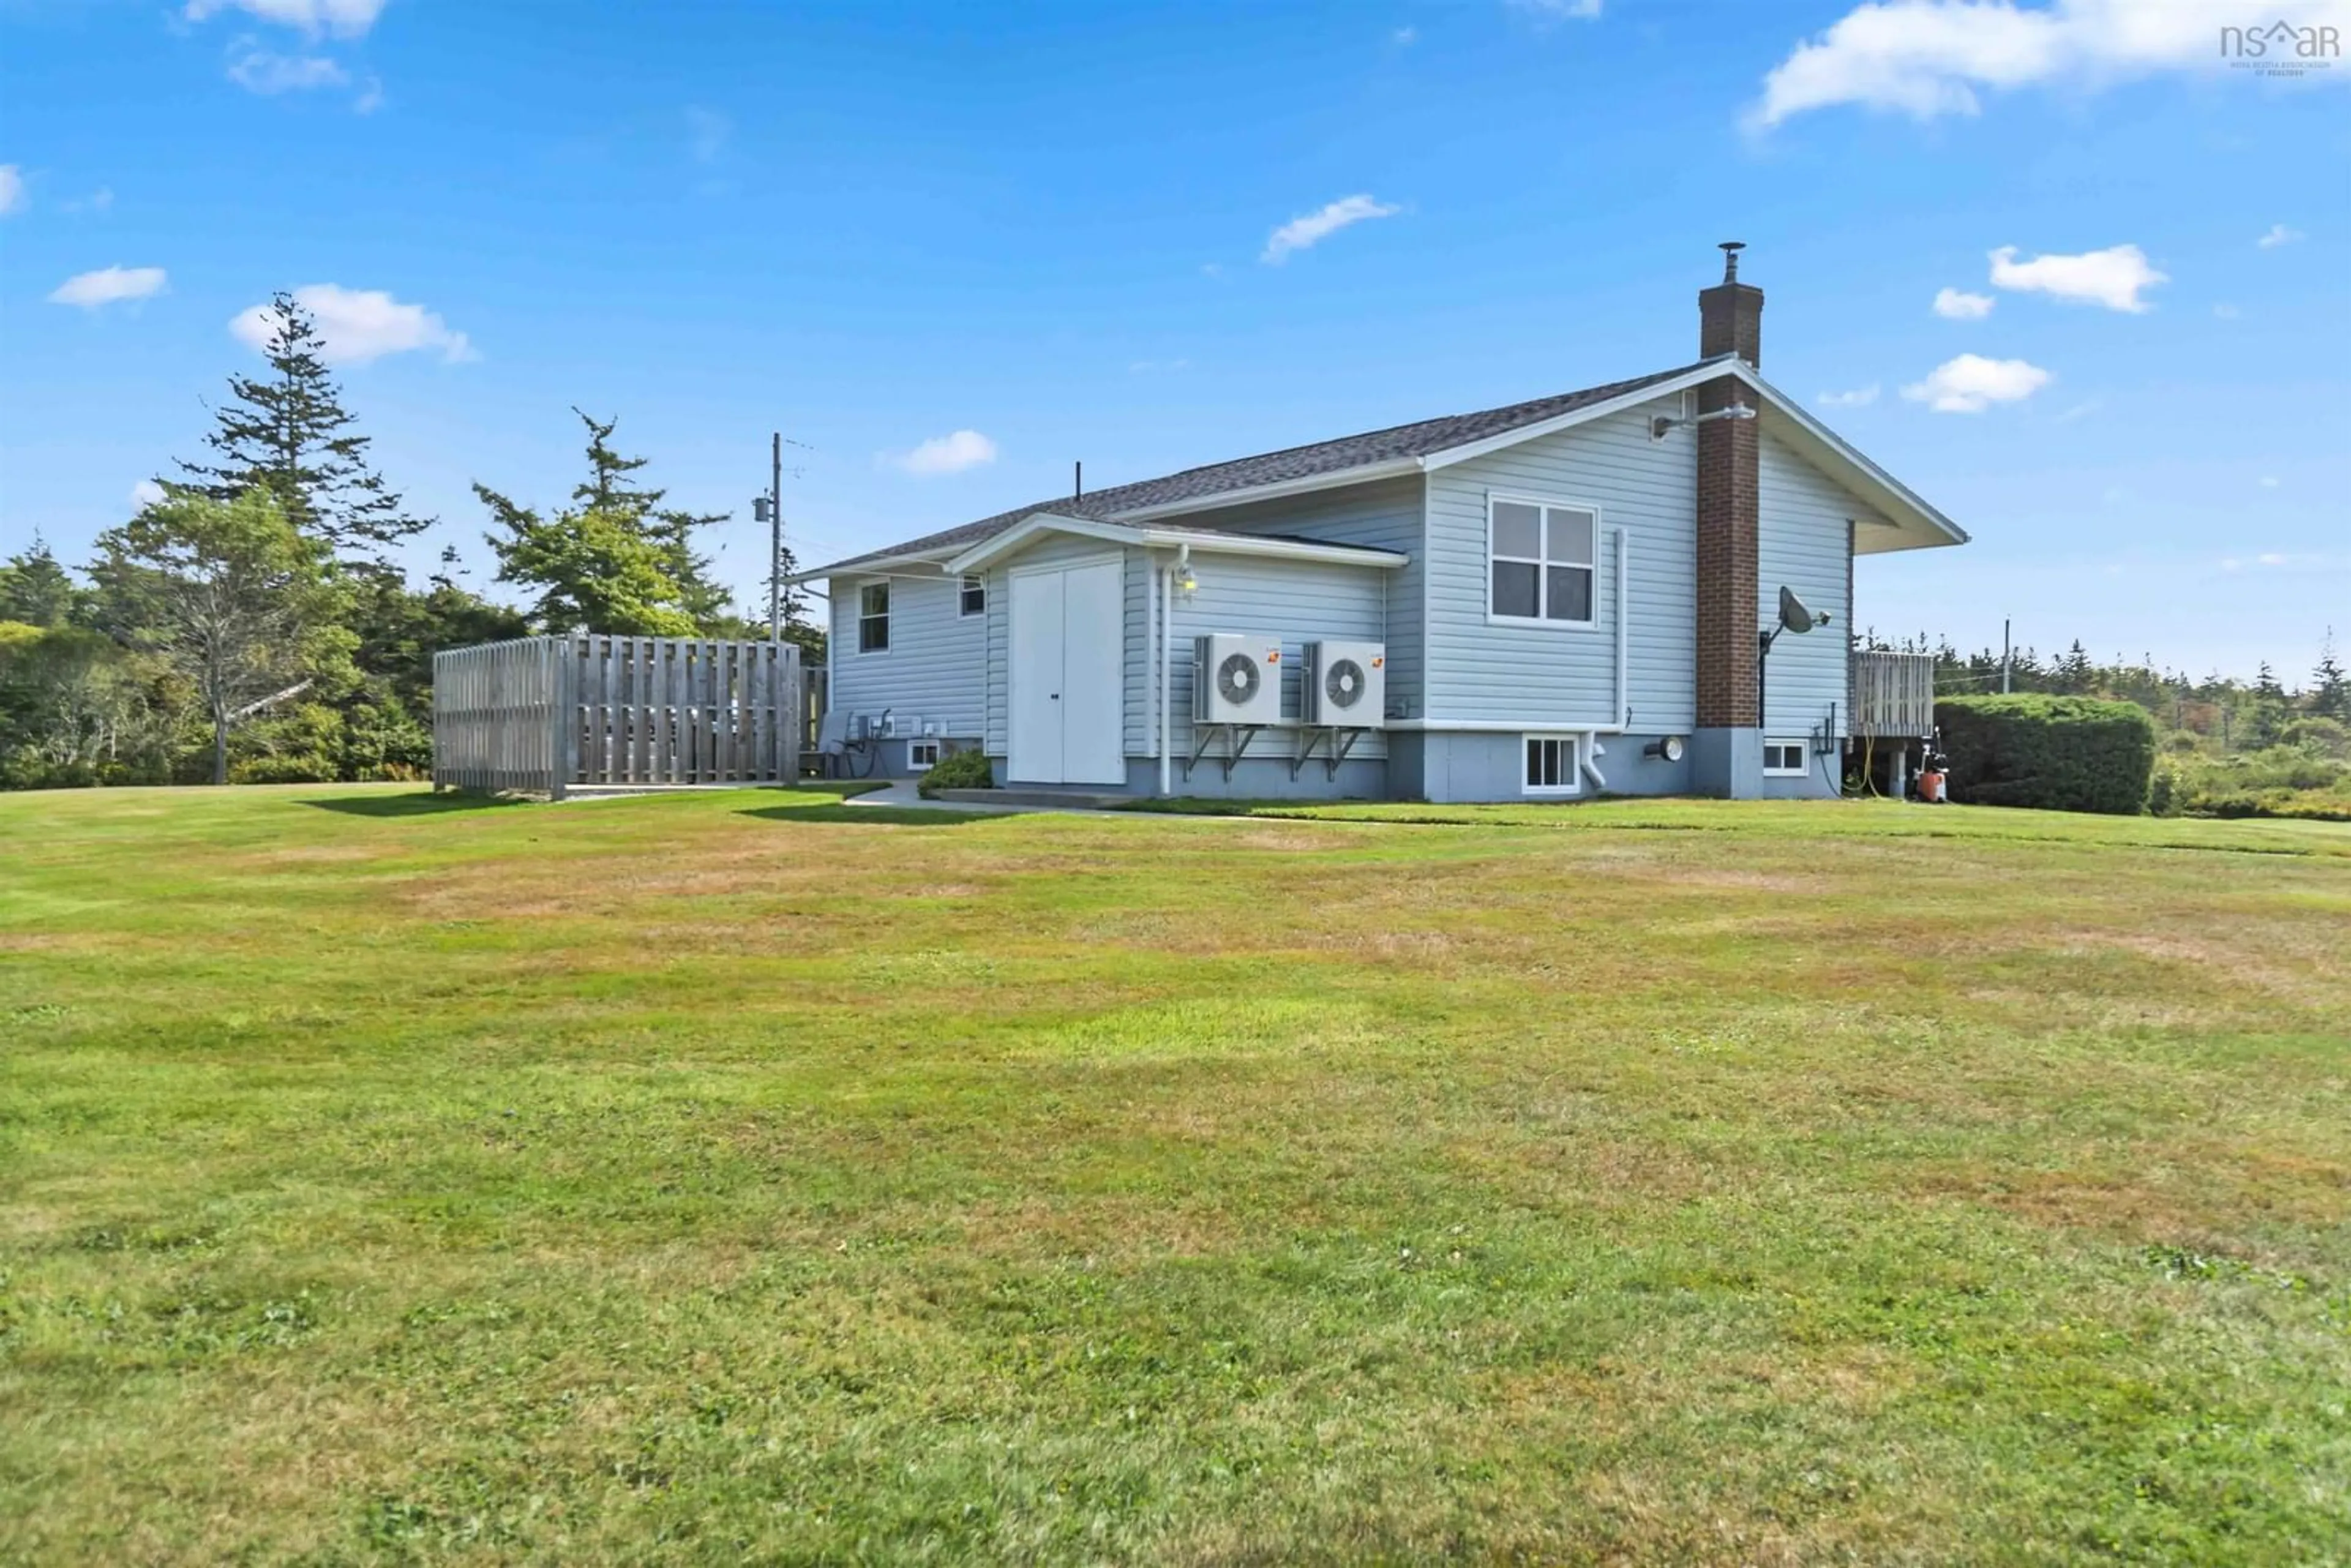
(950, 454)
(2111, 277)
(2226, 312)
(370, 98)
(108, 286)
(2269, 482)
(146, 493)
(1955, 305)
(11, 189)
(1859, 397)
(2279, 234)
(1576, 10)
(2082, 410)
(1404, 38)
(258, 71)
(1929, 57)
(1305, 232)
(98, 200)
(358, 326)
(345, 18)
(1971, 383)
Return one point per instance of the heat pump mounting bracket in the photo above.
(1236, 739)
(1343, 738)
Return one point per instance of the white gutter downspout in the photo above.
(1592, 750)
(1165, 579)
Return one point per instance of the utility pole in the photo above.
(770, 509)
(776, 538)
(2004, 656)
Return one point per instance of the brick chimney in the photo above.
(1731, 321)
(1731, 314)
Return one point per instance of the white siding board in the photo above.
(1491, 673)
(1804, 518)
(1387, 514)
(936, 668)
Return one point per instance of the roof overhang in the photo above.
(1898, 518)
(1207, 542)
(874, 566)
(1903, 521)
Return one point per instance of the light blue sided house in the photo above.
(1577, 595)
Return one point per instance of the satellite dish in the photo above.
(1794, 616)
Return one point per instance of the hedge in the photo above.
(2062, 753)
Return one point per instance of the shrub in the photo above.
(959, 770)
(2280, 782)
(2062, 753)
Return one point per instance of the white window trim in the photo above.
(1543, 586)
(1804, 751)
(858, 618)
(962, 585)
(914, 746)
(1574, 785)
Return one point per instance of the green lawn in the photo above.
(746, 1175)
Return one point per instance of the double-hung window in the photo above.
(972, 599)
(1551, 765)
(1542, 562)
(874, 617)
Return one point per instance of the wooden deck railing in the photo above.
(1893, 694)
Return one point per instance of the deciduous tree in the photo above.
(232, 596)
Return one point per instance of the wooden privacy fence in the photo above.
(541, 715)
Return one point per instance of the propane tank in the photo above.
(1931, 779)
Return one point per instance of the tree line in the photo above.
(249, 623)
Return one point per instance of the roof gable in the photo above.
(1434, 444)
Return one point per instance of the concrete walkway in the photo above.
(901, 793)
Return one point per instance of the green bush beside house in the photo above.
(957, 770)
(2060, 754)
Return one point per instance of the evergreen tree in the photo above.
(670, 530)
(35, 590)
(288, 432)
(616, 561)
(2330, 693)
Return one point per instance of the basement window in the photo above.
(1542, 561)
(1552, 765)
(874, 617)
(974, 598)
(1784, 759)
(922, 754)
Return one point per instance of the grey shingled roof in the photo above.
(1417, 440)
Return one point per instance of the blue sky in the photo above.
(1009, 237)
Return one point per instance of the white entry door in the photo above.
(1068, 674)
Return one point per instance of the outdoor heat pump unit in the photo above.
(1345, 683)
(1236, 679)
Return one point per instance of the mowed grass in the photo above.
(747, 1176)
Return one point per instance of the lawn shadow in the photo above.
(883, 816)
(417, 803)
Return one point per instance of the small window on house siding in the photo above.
(1551, 765)
(1542, 561)
(922, 754)
(874, 617)
(1784, 759)
(974, 599)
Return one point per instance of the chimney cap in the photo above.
(1730, 249)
